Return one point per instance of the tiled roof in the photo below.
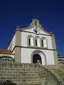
(5, 51)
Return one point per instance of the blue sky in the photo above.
(21, 12)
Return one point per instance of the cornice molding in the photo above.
(30, 47)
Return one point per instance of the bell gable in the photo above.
(35, 27)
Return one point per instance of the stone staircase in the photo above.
(27, 74)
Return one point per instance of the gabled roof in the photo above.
(35, 23)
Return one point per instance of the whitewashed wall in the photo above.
(24, 39)
(26, 56)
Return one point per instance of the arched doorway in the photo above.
(37, 58)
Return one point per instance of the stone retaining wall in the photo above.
(26, 74)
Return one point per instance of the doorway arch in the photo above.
(38, 56)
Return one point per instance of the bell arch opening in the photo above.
(37, 58)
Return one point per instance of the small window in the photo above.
(45, 43)
(29, 41)
(42, 43)
(35, 42)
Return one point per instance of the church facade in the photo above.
(33, 41)
(32, 45)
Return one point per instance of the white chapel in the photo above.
(31, 58)
(32, 44)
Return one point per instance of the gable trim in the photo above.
(38, 34)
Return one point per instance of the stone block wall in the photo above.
(26, 74)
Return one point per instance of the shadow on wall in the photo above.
(7, 82)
